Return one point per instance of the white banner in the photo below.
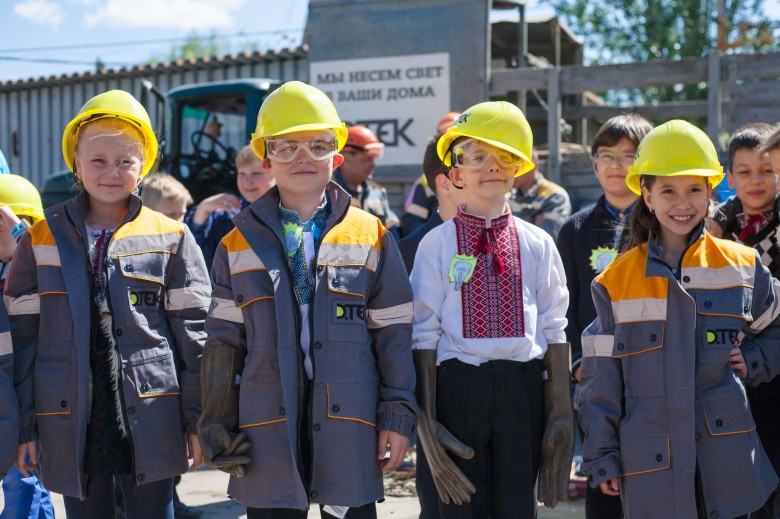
(400, 98)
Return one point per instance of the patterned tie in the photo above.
(294, 246)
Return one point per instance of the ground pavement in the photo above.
(205, 491)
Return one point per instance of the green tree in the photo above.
(619, 31)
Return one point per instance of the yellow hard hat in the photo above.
(20, 195)
(498, 123)
(296, 107)
(114, 103)
(676, 148)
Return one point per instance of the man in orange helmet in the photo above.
(360, 154)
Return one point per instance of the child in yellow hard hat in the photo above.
(107, 301)
(681, 318)
(307, 377)
(489, 318)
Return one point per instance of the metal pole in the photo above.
(522, 48)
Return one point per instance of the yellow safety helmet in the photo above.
(674, 149)
(296, 107)
(498, 123)
(114, 103)
(20, 195)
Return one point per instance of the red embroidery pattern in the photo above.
(492, 300)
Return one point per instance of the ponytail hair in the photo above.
(642, 219)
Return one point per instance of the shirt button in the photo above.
(620, 346)
(119, 332)
(686, 279)
(282, 411)
(746, 309)
(128, 268)
(755, 365)
(697, 436)
(139, 477)
(109, 264)
(713, 515)
(718, 423)
(335, 282)
(708, 304)
(335, 408)
(240, 298)
(313, 494)
(653, 337)
(602, 472)
(131, 410)
(316, 427)
(144, 387)
(64, 403)
(317, 345)
(320, 268)
(659, 458)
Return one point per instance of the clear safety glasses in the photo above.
(607, 158)
(282, 150)
(472, 154)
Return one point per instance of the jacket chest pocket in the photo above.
(254, 297)
(56, 320)
(347, 310)
(722, 314)
(143, 278)
(640, 348)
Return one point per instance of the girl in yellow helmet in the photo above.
(108, 301)
(662, 400)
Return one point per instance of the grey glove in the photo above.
(224, 446)
(558, 439)
(451, 484)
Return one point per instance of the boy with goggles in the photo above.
(307, 376)
(489, 344)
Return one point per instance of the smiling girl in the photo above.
(107, 302)
(682, 317)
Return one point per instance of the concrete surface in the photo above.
(205, 491)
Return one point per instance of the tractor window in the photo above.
(213, 131)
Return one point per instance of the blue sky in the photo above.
(70, 34)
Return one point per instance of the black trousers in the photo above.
(497, 409)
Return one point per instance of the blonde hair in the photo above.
(245, 156)
(163, 186)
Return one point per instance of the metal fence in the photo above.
(34, 112)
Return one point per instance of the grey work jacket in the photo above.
(9, 409)
(360, 329)
(158, 294)
(659, 400)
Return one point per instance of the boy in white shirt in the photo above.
(489, 319)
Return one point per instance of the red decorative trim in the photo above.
(492, 300)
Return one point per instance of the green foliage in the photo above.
(619, 31)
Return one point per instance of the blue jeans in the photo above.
(25, 498)
(152, 500)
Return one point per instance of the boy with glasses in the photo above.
(590, 240)
(307, 372)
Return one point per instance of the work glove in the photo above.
(558, 439)
(224, 446)
(451, 484)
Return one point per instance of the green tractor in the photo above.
(202, 128)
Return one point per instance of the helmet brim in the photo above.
(258, 143)
(443, 148)
(633, 179)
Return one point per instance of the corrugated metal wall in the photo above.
(34, 113)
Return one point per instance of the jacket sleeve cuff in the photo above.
(754, 362)
(28, 433)
(191, 426)
(601, 470)
(405, 425)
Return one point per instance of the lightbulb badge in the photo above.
(461, 269)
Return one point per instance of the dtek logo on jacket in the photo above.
(350, 313)
(142, 298)
(722, 336)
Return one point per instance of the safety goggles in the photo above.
(473, 154)
(607, 158)
(282, 150)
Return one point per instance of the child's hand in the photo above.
(611, 487)
(738, 362)
(398, 445)
(220, 202)
(193, 451)
(26, 458)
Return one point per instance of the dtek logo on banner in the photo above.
(401, 98)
